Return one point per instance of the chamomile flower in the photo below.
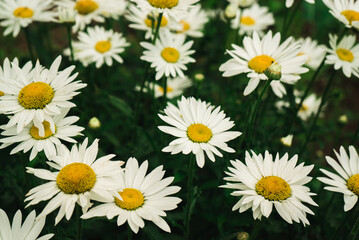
(199, 129)
(289, 3)
(174, 8)
(254, 18)
(142, 21)
(29, 137)
(143, 197)
(193, 23)
(259, 54)
(346, 11)
(345, 180)
(314, 52)
(79, 178)
(37, 94)
(29, 230)
(310, 107)
(169, 55)
(344, 55)
(20, 13)
(262, 184)
(99, 46)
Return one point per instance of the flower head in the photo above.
(346, 11)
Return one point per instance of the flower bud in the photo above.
(66, 15)
(242, 236)
(230, 11)
(343, 119)
(287, 141)
(94, 123)
(199, 77)
(274, 72)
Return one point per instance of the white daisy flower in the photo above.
(193, 23)
(258, 54)
(199, 129)
(29, 230)
(79, 178)
(289, 3)
(346, 181)
(37, 94)
(169, 55)
(346, 11)
(141, 21)
(29, 137)
(263, 183)
(252, 19)
(174, 8)
(99, 46)
(344, 55)
(310, 106)
(143, 197)
(314, 52)
(20, 13)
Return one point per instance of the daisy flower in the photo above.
(174, 8)
(79, 178)
(344, 55)
(289, 3)
(314, 52)
(29, 137)
(259, 54)
(169, 55)
(345, 180)
(346, 11)
(310, 106)
(252, 19)
(263, 184)
(199, 129)
(37, 94)
(143, 197)
(99, 46)
(193, 23)
(141, 21)
(29, 230)
(20, 13)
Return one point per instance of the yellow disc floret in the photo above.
(170, 54)
(273, 188)
(350, 15)
(76, 178)
(185, 26)
(2, 93)
(23, 12)
(260, 63)
(103, 46)
(163, 3)
(345, 54)
(131, 199)
(149, 22)
(35, 95)
(199, 133)
(353, 184)
(303, 108)
(34, 131)
(169, 89)
(247, 21)
(85, 7)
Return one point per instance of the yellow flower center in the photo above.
(85, 7)
(273, 188)
(163, 3)
(260, 63)
(345, 54)
(164, 22)
(199, 133)
(2, 93)
(103, 46)
(353, 184)
(35, 95)
(34, 131)
(76, 178)
(169, 89)
(303, 108)
(170, 54)
(350, 15)
(23, 12)
(247, 21)
(185, 26)
(131, 199)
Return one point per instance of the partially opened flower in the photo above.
(79, 178)
(199, 128)
(346, 11)
(259, 54)
(29, 230)
(143, 197)
(17, 14)
(346, 178)
(313, 50)
(263, 183)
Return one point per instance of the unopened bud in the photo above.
(94, 123)
(274, 72)
(242, 236)
(287, 141)
(343, 119)
(230, 11)
(199, 77)
(66, 15)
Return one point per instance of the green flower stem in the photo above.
(322, 102)
(69, 38)
(257, 227)
(189, 196)
(288, 23)
(165, 89)
(78, 223)
(355, 135)
(29, 46)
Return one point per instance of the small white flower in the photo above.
(314, 52)
(346, 11)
